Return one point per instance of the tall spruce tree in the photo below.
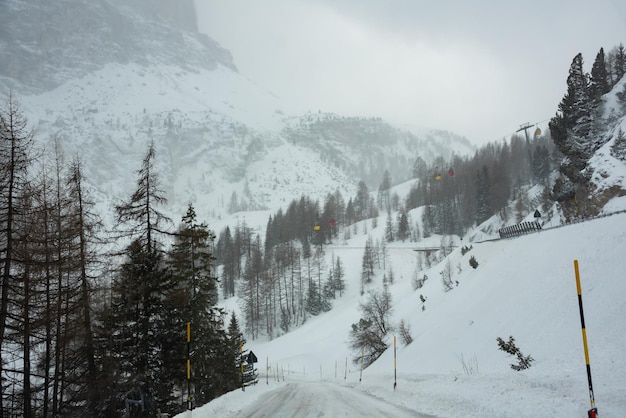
(620, 62)
(192, 300)
(367, 264)
(403, 227)
(570, 130)
(483, 196)
(139, 313)
(142, 333)
(599, 84)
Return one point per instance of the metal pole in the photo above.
(395, 381)
(243, 388)
(593, 411)
(189, 403)
(525, 127)
(361, 372)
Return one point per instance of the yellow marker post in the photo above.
(593, 412)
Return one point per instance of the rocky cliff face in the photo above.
(179, 13)
(45, 43)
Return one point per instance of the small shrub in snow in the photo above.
(473, 262)
(618, 149)
(465, 249)
(417, 282)
(405, 333)
(446, 277)
(523, 362)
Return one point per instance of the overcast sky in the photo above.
(479, 68)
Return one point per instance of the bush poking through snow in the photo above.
(465, 249)
(470, 366)
(523, 362)
(473, 262)
(405, 333)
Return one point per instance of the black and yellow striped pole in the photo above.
(189, 403)
(593, 412)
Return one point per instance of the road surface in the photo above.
(323, 399)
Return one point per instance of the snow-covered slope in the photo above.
(523, 287)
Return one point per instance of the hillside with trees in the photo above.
(93, 317)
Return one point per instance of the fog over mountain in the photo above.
(107, 77)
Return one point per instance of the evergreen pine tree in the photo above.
(362, 201)
(338, 275)
(384, 201)
(367, 265)
(313, 305)
(140, 337)
(192, 300)
(236, 346)
(483, 196)
(570, 129)
(599, 84)
(389, 228)
(541, 165)
(403, 227)
(620, 62)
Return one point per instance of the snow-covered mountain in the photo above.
(106, 77)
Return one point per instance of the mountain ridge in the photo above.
(153, 81)
(73, 38)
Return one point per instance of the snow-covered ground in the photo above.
(523, 287)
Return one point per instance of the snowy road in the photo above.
(322, 399)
